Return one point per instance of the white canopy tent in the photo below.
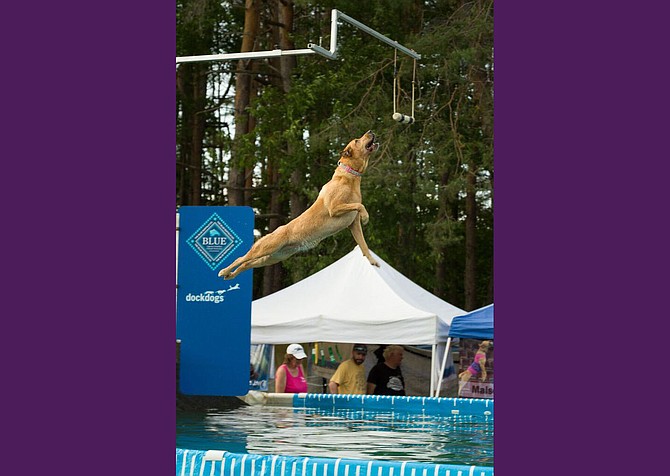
(352, 301)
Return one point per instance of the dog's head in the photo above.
(357, 153)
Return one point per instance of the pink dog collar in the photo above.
(349, 169)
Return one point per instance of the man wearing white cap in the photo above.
(350, 375)
(290, 377)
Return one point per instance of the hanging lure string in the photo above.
(401, 118)
(395, 77)
(413, 81)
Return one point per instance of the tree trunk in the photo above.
(288, 63)
(298, 201)
(251, 126)
(439, 289)
(243, 79)
(408, 226)
(470, 239)
(199, 99)
(192, 81)
(282, 21)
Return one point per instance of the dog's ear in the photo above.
(346, 152)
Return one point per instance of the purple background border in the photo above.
(581, 101)
(579, 108)
(88, 237)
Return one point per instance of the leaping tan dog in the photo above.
(337, 207)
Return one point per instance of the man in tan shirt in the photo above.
(349, 378)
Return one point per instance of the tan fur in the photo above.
(337, 207)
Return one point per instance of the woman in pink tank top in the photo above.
(290, 377)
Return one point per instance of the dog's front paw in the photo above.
(372, 261)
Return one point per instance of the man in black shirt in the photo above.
(386, 378)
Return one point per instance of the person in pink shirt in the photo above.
(290, 377)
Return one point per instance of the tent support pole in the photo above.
(444, 364)
(432, 369)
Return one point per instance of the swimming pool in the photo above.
(434, 433)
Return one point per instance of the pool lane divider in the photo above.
(215, 462)
(442, 406)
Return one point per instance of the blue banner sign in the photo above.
(213, 315)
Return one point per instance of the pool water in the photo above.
(257, 429)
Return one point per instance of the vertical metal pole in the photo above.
(432, 369)
(444, 364)
(334, 14)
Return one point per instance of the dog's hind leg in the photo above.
(357, 233)
(263, 248)
(225, 272)
(266, 260)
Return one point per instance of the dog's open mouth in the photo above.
(371, 146)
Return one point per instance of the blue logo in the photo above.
(214, 241)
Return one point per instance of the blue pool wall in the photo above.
(439, 406)
(223, 463)
(198, 462)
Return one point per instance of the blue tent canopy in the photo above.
(477, 324)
